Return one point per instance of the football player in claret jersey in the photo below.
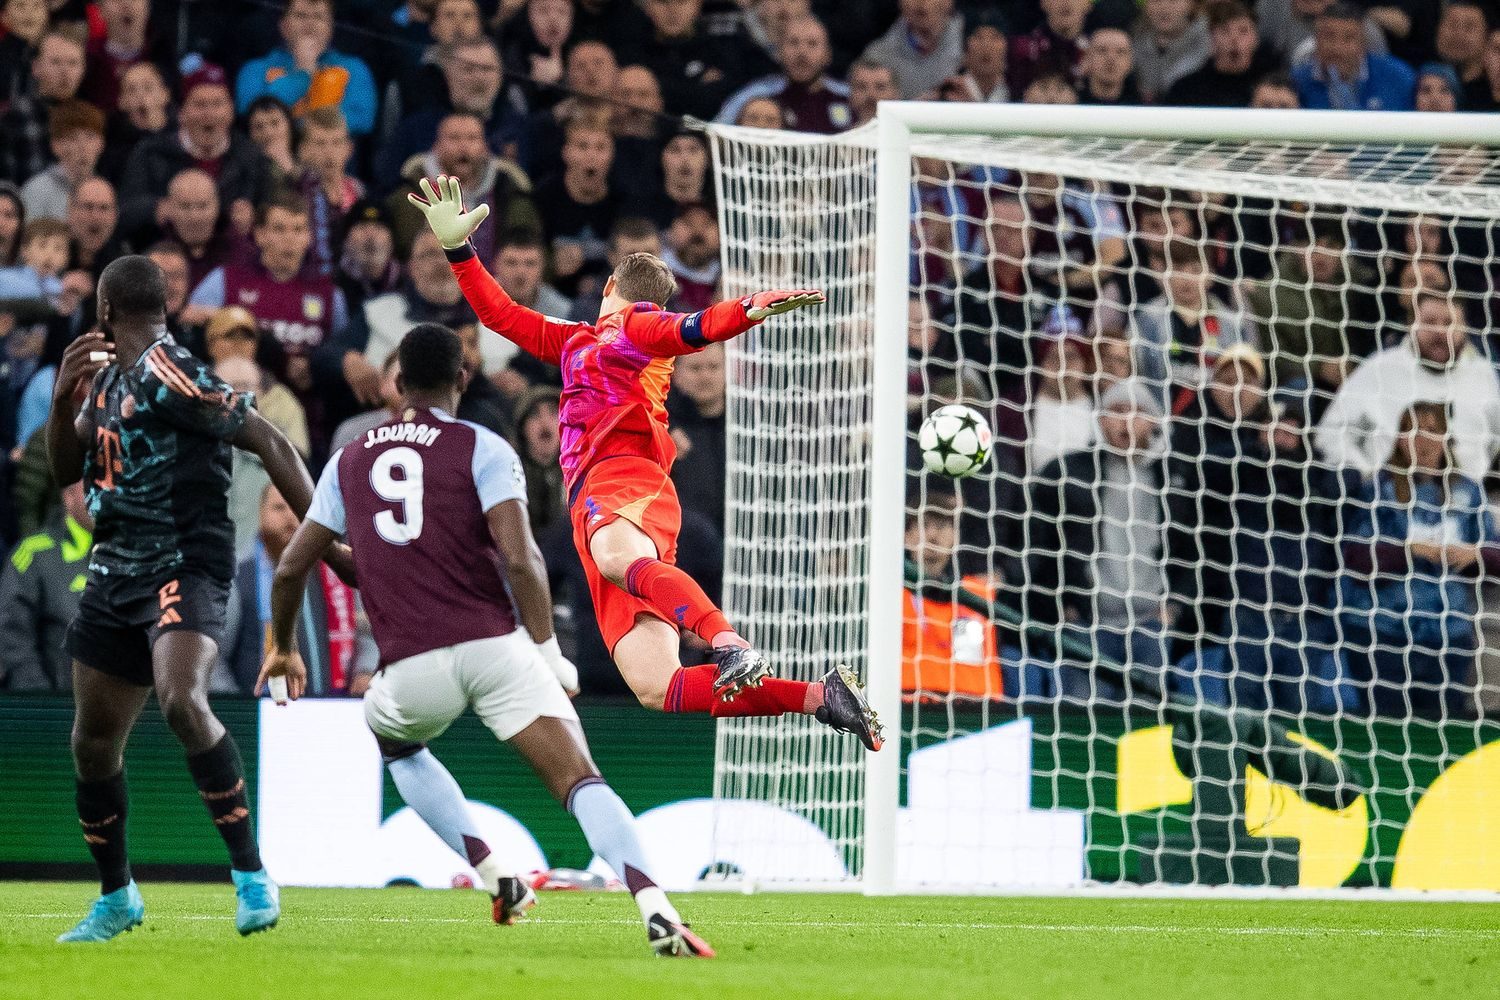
(435, 511)
(152, 444)
(617, 458)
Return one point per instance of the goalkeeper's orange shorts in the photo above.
(635, 490)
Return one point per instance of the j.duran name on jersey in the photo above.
(406, 433)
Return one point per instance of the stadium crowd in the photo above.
(261, 153)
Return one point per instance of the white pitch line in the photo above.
(1432, 933)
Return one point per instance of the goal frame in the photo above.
(898, 125)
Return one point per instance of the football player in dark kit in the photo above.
(149, 428)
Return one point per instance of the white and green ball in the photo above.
(955, 441)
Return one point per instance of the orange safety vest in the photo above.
(948, 649)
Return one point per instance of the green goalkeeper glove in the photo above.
(444, 208)
(763, 304)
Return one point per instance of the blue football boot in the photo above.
(111, 915)
(260, 901)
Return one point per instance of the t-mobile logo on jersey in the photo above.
(407, 433)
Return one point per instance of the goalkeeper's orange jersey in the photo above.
(615, 374)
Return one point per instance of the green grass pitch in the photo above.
(414, 944)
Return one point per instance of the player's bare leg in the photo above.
(181, 663)
(627, 558)
(557, 751)
(433, 794)
(105, 711)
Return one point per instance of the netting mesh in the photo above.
(1213, 612)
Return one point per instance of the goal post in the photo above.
(1119, 774)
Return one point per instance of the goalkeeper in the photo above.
(616, 458)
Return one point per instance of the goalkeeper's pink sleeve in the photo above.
(668, 335)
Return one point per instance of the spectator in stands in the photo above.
(638, 113)
(205, 141)
(473, 83)
(631, 234)
(1171, 41)
(1061, 415)
(189, 216)
(1486, 97)
(692, 254)
(1288, 26)
(810, 99)
(539, 445)
(948, 650)
(308, 73)
(534, 48)
(923, 48)
(230, 342)
(761, 112)
(1054, 47)
(1276, 93)
(125, 42)
(93, 215)
(1207, 442)
(56, 73)
(1438, 89)
(268, 123)
(1342, 74)
(1314, 314)
(986, 52)
(989, 311)
(39, 590)
(460, 151)
(323, 152)
(12, 222)
(367, 264)
(145, 109)
(1462, 37)
(297, 312)
(76, 138)
(1108, 69)
(390, 409)
(1074, 238)
(177, 278)
(592, 75)
(430, 295)
(326, 630)
(518, 267)
(581, 204)
(869, 84)
(422, 85)
(697, 70)
(39, 269)
(22, 24)
(1237, 61)
(686, 179)
(1437, 363)
(1287, 516)
(1095, 522)
(482, 401)
(1422, 535)
(697, 405)
(1181, 333)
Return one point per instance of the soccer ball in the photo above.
(955, 441)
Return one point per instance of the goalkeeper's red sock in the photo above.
(692, 690)
(673, 593)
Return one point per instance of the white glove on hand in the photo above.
(444, 208)
(562, 667)
(763, 304)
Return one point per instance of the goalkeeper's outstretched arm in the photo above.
(528, 329)
(664, 334)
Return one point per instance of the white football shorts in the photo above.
(504, 679)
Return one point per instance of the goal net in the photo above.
(1221, 609)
